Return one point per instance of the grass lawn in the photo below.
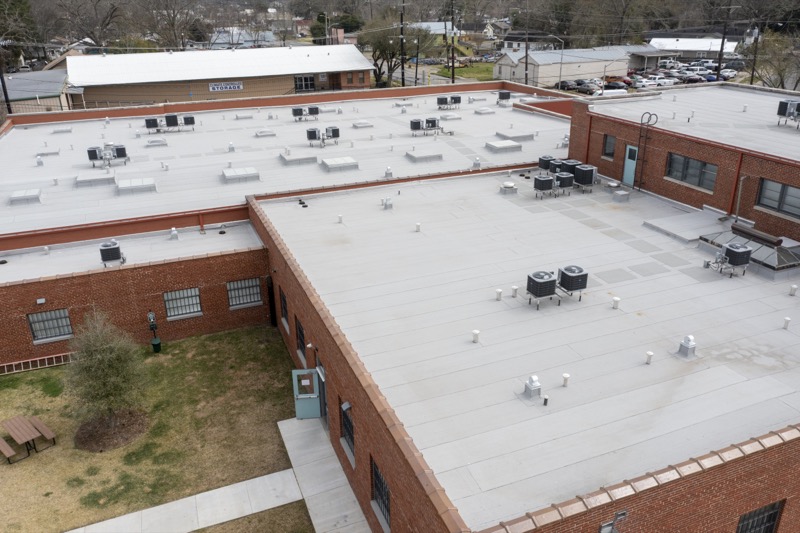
(478, 71)
(213, 407)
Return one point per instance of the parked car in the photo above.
(736, 64)
(25, 68)
(12, 70)
(615, 85)
(710, 77)
(700, 71)
(644, 83)
(624, 79)
(727, 73)
(693, 78)
(566, 85)
(588, 88)
(661, 81)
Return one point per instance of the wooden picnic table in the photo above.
(22, 431)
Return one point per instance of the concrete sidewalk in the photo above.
(316, 476)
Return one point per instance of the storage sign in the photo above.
(226, 86)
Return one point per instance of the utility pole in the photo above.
(402, 47)
(724, 36)
(3, 80)
(757, 37)
(452, 42)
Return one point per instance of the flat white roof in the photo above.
(726, 113)
(408, 302)
(689, 44)
(188, 171)
(121, 69)
(79, 257)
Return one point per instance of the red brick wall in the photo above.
(417, 501)
(127, 293)
(586, 144)
(710, 501)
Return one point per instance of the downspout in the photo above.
(588, 136)
(735, 194)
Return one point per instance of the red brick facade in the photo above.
(127, 293)
(588, 131)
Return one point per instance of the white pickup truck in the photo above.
(661, 81)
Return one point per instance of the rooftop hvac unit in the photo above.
(569, 165)
(297, 111)
(454, 100)
(555, 166)
(332, 132)
(120, 152)
(564, 179)
(151, 123)
(441, 100)
(110, 251)
(572, 278)
(416, 124)
(95, 153)
(504, 95)
(543, 183)
(541, 284)
(544, 162)
(313, 110)
(738, 254)
(787, 108)
(188, 121)
(585, 174)
(171, 121)
(431, 123)
(312, 134)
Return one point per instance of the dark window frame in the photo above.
(609, 140)
(50, 325)
(183, 303)
(304, 83)
(763, 520)
(284, 309)
(779, 202)
(380, 494)
(244, 292)
(300, 337)
(692, 171)
(348, 428)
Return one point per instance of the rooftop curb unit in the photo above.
(315, 135)
(107, 153)
(429, 125)
(504, 98)
(305, 113)
(110, 252)
(448, 102)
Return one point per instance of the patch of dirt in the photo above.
(103, 434)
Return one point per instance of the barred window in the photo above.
(303, 83)
(244, 292)
(284, 310)
(782, 198)
(380, 495)
(609, 144)
(692, 171)
(764, 520)
(50, 324)
(182, 302)
(301, 340)
(348, 431)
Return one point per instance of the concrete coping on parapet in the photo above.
(624, 489)
(444, 506)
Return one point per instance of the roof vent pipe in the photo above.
(173, 234)
(498, 294)
(419, 227)
(792, 290)
(565, 379)
(786, 321)
(514, 290)
(687, 346)
(340, 219)
(476, 333)
(649, 357)
(615, 302)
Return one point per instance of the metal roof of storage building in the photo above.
(120, 69)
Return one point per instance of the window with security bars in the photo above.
(348, 431)
(50, 324)
(244, 292)
(692, 171)
(764, 520)
(182, 302)
(779, 197)
(301, 340)
(380, 494)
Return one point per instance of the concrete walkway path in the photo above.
(315, 476)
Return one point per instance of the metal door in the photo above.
(306, 393)
(629, 172)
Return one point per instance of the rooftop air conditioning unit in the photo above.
(188, 121)
(787, 108)
(110, 251)
(151, 123)
(171, 121)
(313, 110)
(543, 183)
(572, 278)
(312, 134)
(297, 111)
(431, 123)
(120, 152)
(569, 165)
(555, 166)
(504, 95)
(416, 124)
(95, 153)
(542, 284)
(564, 179)
(585, 174)
(455, 100)
(544, 162)
(441, 100)
(738, 254)
(332, 132)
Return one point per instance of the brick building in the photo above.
(383, 283)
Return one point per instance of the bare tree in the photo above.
(99, 20)
(170, 20)
(15, 20)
